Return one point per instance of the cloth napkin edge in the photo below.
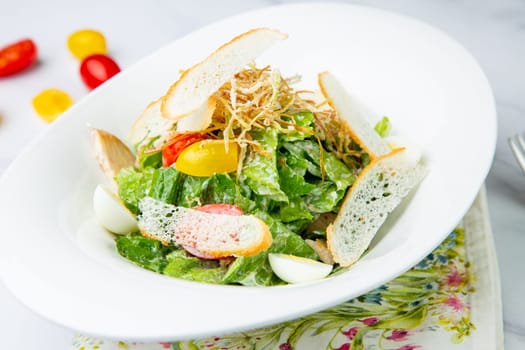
(486, 300)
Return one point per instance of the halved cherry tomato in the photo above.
(96, 69)
(218, 208)
(16, 57)
(174, 147)
(221, 208)
(195, 252)
(207, 157)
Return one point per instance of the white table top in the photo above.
(493, 31)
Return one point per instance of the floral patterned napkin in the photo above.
(450, 300)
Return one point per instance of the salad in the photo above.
(243, 188)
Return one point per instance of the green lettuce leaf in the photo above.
(297, 164)
(134, 185)
(383, 127)
(335, 170)
(165, 184)
(263, 203)
(150, 159)
(143, 251)
(296, 209)
(260, 171)
(298, 225)
(292, 183)
(193, 269)
(221, 188)
(304, 120)
(190, 191)
(324, 198)
(250, 271)
(300, 157)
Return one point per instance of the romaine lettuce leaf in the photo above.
(260, 171)
(250, 271)
(292, 183)
(304, 120)
(170, 261)
(296, 209)
(151, 159)
(148, 156)
(335, 170)
(182, 266)
(297, 164)
(264, 203)
(220, 188)
(190, 191)
(159, 183)
(143, 251)
(134, 185)
(298, 225)
(324, 198)
(165, 184)
(301, 156)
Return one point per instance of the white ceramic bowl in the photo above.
(59, 263)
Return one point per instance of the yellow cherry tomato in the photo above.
(86, 42)
(207, 157)
(50, 103)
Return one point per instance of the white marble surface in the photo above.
(492, 30)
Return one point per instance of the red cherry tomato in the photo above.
(219, 208)
(195, 252)
(174, 147)
(16, 57)
(96, 69)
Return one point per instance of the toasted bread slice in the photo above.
(217, 235)
(351, 110)
(189, 103)
(200, 119)
(199, 82)
(379, 188)
(377, 191)
(111, 153)
(151, 124)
